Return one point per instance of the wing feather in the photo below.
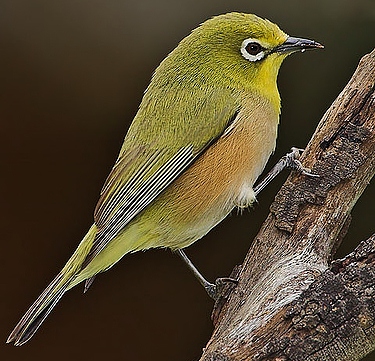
(136, 194)
(120, 191)
(137, 179)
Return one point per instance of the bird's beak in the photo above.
(296, 44)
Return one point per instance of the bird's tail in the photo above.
(41, 308)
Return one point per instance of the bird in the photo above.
(204, 131)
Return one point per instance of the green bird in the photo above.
(205, 129)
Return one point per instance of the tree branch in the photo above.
(288, 304)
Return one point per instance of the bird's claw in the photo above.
(292, 161)
(214, 290)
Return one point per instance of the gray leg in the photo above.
(211, 288)
(289, 161)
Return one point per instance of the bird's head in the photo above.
(237, 50)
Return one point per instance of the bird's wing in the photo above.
(127, 200)
(139, 176)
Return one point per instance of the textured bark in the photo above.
(290, 303)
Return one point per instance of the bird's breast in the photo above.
(220, 179)
(224, 175)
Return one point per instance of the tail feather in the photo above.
(44, 304)
(38, 311)
(28, 332)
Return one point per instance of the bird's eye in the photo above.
(252, 50)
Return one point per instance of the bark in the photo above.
(291, 303)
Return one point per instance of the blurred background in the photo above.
(72, 76)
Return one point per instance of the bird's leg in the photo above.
(213, 289)
(289, 161)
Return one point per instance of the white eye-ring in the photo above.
(252, 50)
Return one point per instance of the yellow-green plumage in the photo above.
(204, 131)
(170, 117)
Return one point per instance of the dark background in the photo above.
(72, 75)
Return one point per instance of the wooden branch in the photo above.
(334, 319)
(288, 304)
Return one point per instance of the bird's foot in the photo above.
(214, 290)
(292, 161)
(289, 161)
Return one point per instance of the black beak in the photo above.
(296, 44)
